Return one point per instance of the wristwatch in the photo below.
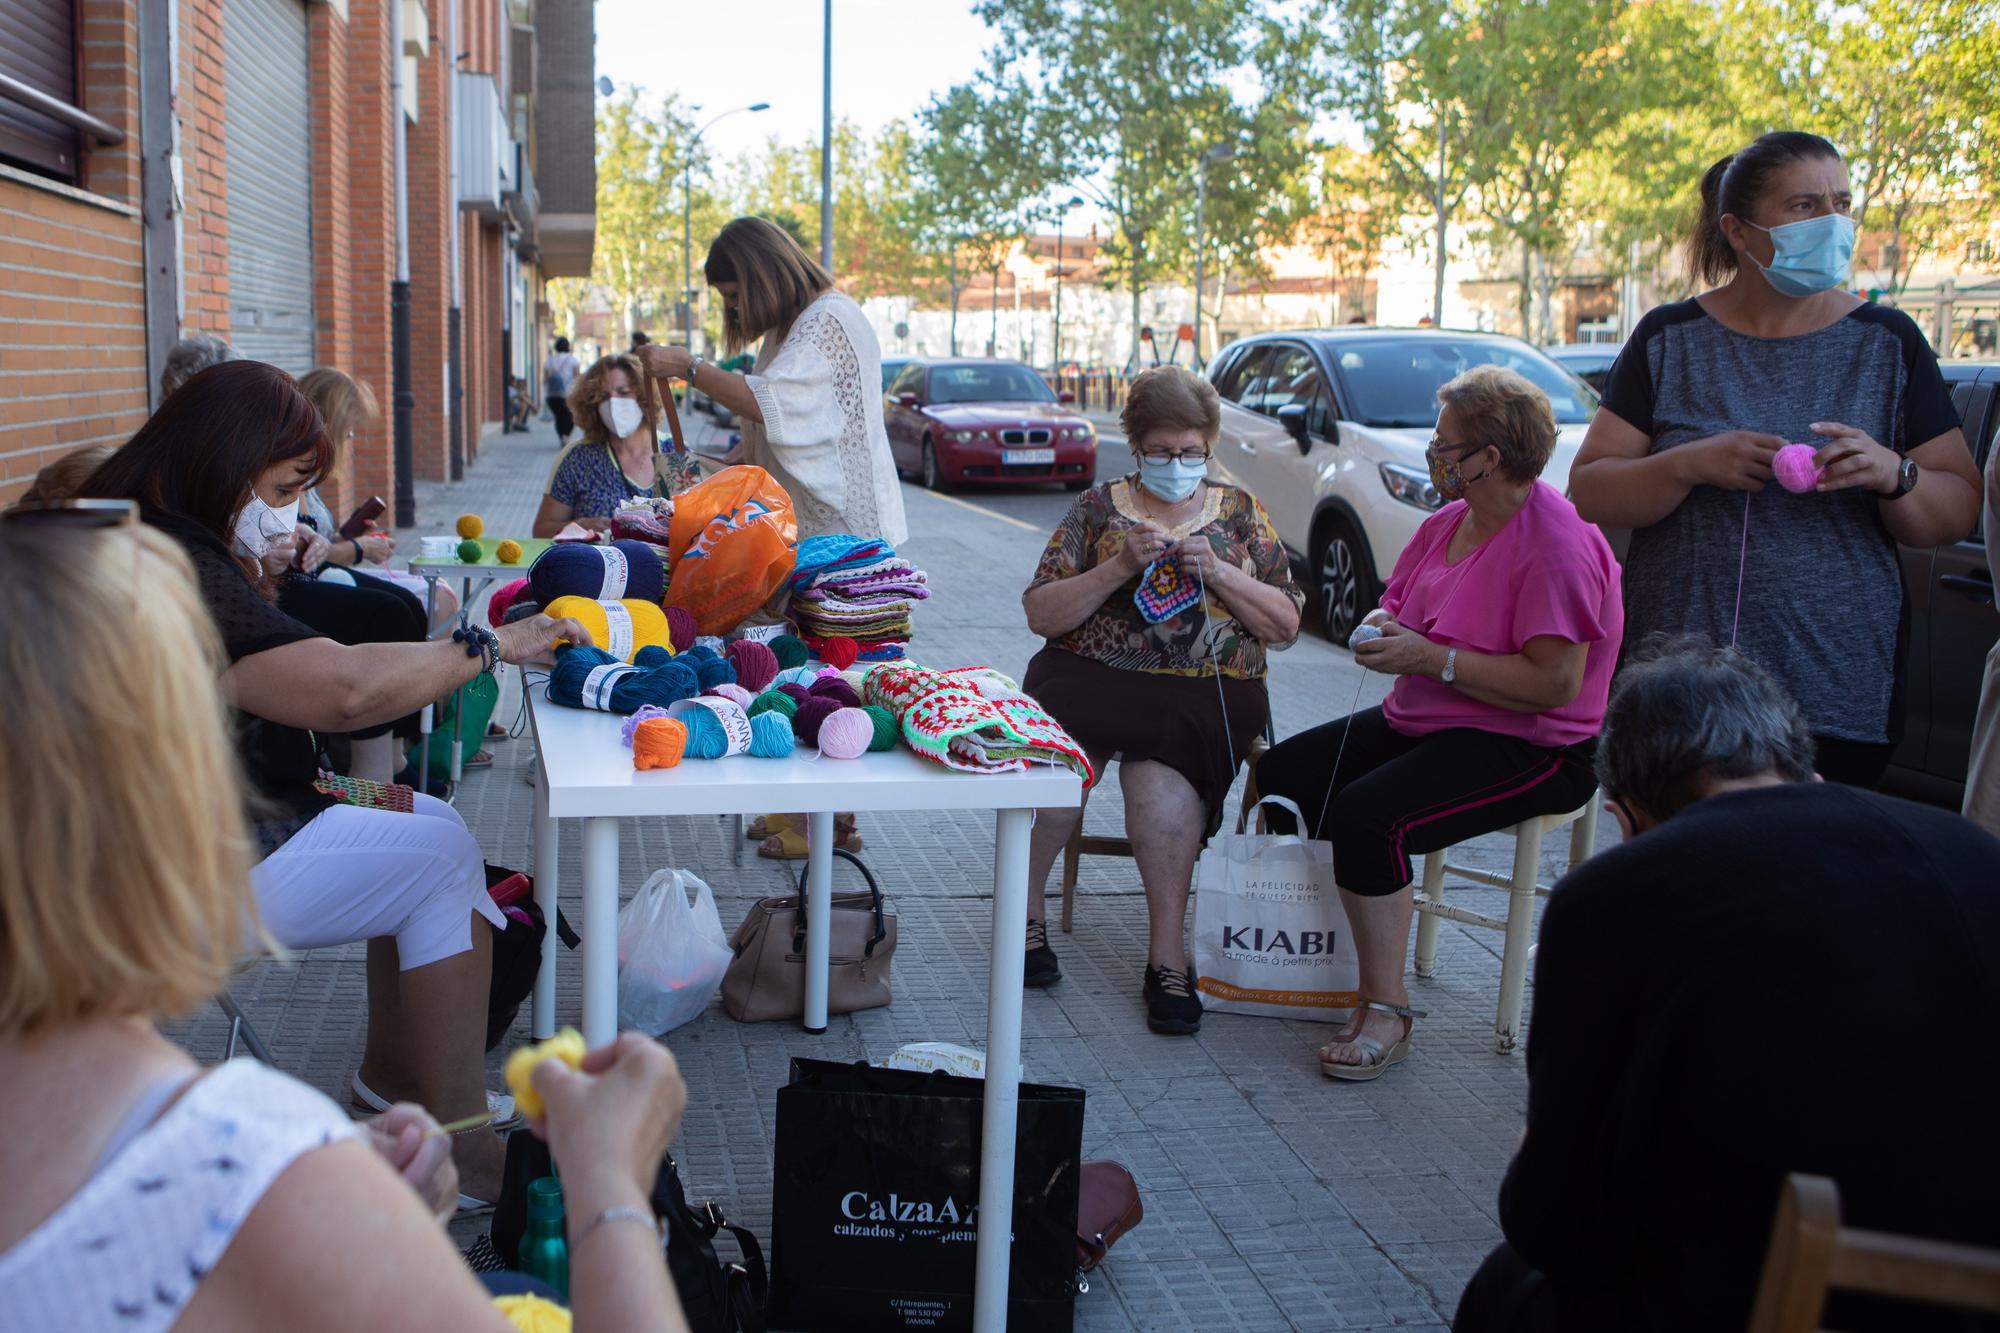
(1906, 480)
(1450, 672)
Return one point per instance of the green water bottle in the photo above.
(544, 1250)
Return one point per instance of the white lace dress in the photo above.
(820, 390)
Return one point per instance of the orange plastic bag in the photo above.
(734, 542)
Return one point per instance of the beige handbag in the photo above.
(767, 977)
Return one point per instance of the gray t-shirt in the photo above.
(1821, 593)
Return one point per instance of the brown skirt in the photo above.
(1180, 721)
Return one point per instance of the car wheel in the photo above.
(1343, 579)
(933, 479)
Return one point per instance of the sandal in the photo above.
(790, 845)
(766, 826)
(496, 732)
(1375, 1057)
(479, 759)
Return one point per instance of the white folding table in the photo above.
(587, 774)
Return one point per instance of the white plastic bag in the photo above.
(1270, 935)
(671, 953)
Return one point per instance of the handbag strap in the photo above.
(875, 904)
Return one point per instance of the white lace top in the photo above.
(821, 394)
(127, 1251)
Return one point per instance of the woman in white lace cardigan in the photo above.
(811, 406)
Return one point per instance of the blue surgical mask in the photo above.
(1171, 479)
(1809, 256)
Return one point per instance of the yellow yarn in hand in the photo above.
(566, 1046)
(509, 552)
(532, 1314)
(471, 525)
(619, 628)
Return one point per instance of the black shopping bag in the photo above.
(875, 1202)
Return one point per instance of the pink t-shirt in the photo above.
(1546, 572)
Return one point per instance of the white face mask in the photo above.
(621, 415)
(258, 525)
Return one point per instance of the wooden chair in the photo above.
(1812, 1253)
(1523, 887)
(1081, 844)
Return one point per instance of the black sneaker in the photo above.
(1041, 967)
(1172, 1006)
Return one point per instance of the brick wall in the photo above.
(432, 214)
(72, 279)
(204, 171)
(370, 242)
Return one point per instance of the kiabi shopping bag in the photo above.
(1270, 936)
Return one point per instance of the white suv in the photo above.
(1327, 428)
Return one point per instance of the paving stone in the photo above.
(1221, 1293)
(1341, 1289)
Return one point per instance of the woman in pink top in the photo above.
(1502, 622)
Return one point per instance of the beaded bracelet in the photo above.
(479, 642)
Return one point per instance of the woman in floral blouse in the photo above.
(1178, 702)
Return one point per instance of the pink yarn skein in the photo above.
(846, 734)
(1794, 468)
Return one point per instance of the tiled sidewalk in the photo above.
(1275, 1199)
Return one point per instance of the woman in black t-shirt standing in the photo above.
(1705, 393)
(412, 884)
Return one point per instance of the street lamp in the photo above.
(1221, 152)
(687, 218)
(1074, 201)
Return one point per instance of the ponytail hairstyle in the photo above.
(1735, 185)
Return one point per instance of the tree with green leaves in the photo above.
(1351, 223)
(1122, 97)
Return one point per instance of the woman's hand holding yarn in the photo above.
(1399, 651)
(1144, 544)
(1736, 460)
(1197, 556)
(609, 1121)
(1855, 459)
(535, 639)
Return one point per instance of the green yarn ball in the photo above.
(791, 651)
(887, 733)
(770, 701)
(470, 551)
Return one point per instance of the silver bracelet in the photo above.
(643, 1216)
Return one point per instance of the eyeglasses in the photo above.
(1177, 456)
(1438, 446)
(74, 514)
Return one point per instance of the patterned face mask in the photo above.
(1446, 473)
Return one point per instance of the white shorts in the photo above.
(354, 874)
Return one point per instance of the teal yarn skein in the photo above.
(790, 650)
(771, 734)
(707, 738)
(887, 732)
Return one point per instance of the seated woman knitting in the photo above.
(617, 407)
(144, 1190)
(410, 881)
(1178, 700)
(1501, 624)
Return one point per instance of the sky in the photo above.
(889, 56)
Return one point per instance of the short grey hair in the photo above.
(1686, 714)
(190, 356)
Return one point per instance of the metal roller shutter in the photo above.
(38, 47)
(267, 127)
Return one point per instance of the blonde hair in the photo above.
(1503, 409)
(590, 390)
(64, 478)
(124, 859)
(1170, 398)
(775, 279)
(345, 404)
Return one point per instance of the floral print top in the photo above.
(1095, 530)
(588, 479)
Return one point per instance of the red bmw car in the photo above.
(964, 422)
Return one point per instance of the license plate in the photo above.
(1014, 456)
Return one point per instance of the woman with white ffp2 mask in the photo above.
(616, 405)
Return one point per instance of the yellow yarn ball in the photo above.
(532, 1314)
(620, 628)
(566, 1046)
(471, 525)
(509, 552)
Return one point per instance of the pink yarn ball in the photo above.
(503, 597)
(1794, 468)
(736, 694)
(846, 734)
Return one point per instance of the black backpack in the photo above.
(716, 1297)
(517, 954)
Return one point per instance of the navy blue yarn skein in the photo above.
(578, 569)
(627, 690)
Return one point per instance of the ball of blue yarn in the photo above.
(798, 675)
(710, 666)
(707, 738)
(771, 735)
(1363, 634)
(659, 685)
(576, 569)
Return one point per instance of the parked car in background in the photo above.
(1327, 428)
(961, 422)
(1590, 362)
(1952, 622)
(892, 366)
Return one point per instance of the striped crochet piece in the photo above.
(973, 719)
